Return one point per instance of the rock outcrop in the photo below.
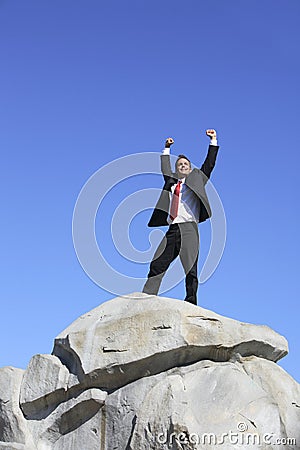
(144, 372)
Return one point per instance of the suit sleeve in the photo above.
(166, 166)
(210, 160)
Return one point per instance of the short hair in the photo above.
(182, 156)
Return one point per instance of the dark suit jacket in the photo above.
(196, 181)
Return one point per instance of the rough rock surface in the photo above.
(38, 390)
(144, 372)
(13, 426)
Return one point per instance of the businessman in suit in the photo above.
(183, 204)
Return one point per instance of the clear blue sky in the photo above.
(86, 82)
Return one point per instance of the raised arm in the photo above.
(210, 159)
(165, 159)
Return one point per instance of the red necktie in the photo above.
(175, 201)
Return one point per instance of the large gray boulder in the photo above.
(206, 404)
(140, 335)
(144, 372)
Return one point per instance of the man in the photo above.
(183, 204)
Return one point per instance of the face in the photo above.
(183, 167)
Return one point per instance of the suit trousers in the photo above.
(181, 239)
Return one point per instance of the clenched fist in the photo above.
(169, 142)
(211, 133)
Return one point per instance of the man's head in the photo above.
(183, 166)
